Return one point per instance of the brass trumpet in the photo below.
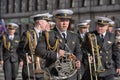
(97, 64)
(38, 69)
(32, 42)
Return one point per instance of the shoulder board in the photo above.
(72, 31)
(48, 30)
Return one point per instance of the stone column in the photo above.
(17, 6)
(3, 7)
(25, 5)
(31, 7)
(10, 6)
(39, 5)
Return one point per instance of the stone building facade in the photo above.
(19, 11)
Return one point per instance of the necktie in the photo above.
(64, 37)
(102, 38)
(40, 34)
(63, 34)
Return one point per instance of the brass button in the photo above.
(100, 51)
(106, 57)
(106, 62)
(42, 62)
(106, 51)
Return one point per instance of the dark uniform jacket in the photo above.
(11, 52)
(109, 52)
(51, 56)
(9, 56)
(22, 49)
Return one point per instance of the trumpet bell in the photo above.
(100, 69)
(39, 71)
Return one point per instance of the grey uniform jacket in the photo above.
(109, 52)
(11, 52)
(51, 56)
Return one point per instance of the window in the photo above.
(84, 3)
(36, 5)
(20, 6)
(112, 1)
(7, 6)
(100, 2)
(28, 5)
(57, 4)
(14, 6)
(71, 3)
(45, 4)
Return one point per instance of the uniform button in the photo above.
(106, 57)
(11, 53)
(100, 51)
(106, 62)
(106, 51)
(42, 62)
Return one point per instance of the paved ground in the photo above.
(2, 75)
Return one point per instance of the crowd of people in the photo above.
(54, 51)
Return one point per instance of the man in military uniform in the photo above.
(82, 31)
(57, 42)
(88, 21)
(111, 26)
(33, 65)
(108, 51)
(9, 57)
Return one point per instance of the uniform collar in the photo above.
(65, 32)
(103, 34)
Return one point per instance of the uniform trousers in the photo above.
(86, 76)
(10, 69)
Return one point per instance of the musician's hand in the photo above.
(21, 63)
(90, 59)
(1, 62)
(118, 71)
(78, 64)
(29, 59)
(61, 53)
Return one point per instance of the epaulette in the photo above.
(48, 30)
(72, 31)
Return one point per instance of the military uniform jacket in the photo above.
(9, 53)
(23, 48)
(51, 56)
(109, 52)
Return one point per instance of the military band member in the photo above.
(88, 21)
(52, 25)
(117, 36)
(33, 66)
(111, 26)
(82, 31)
(48, 19)
(53, 45)
(108, 51)
(9, 57)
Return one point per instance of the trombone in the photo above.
(28, 70)
(97, 63)
(32, 42)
